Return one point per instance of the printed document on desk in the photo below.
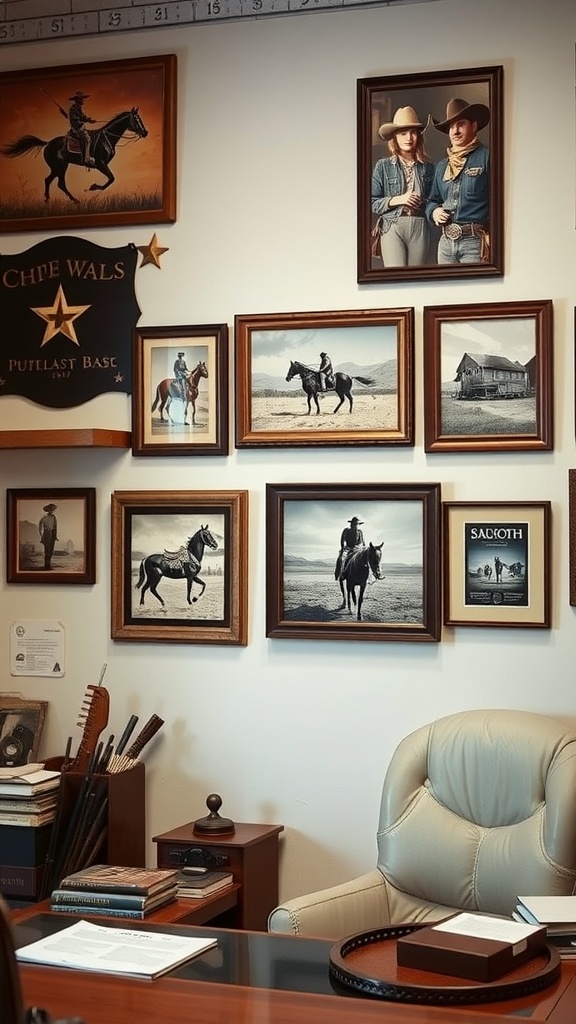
(558, 913)
(91, 947)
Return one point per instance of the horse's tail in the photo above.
(22, 145)
(140, 576)
(157, 399)
(366, 381)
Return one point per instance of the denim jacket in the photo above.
(388, 181)
(467, 196)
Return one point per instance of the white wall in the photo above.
(291, 731)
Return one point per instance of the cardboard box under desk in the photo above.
(465, 956)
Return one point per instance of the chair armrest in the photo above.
(355, 906)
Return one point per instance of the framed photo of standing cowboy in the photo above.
(88, 145)
(180, 567)
(353, 562)
(180, 390)
(325, 379)
(430, 175)
(488, 369)
(51, 535)
(497, 563)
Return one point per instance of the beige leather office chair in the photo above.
(476, 809)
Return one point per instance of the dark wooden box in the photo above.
(465, 956)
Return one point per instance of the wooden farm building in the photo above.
(488, 376)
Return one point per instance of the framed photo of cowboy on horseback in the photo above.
(497, 563)
(180, 566)
(325, 379)
(353, 562)
(105, 135)
(51, 535)
(180, 390)
(430, 175)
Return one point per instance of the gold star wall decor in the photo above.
(59, 318)
(152, 252)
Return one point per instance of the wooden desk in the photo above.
(253, 978)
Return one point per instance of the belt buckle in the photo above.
(453, 232)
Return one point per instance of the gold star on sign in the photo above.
(152, 252)
(59, 318)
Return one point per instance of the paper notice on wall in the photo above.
(37, 648)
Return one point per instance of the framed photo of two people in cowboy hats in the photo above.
(430, 176)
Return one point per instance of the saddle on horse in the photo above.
(178, 559)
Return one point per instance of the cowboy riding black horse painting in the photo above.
(87, 141)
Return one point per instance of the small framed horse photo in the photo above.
(88, 145)
(179, 566)
(353, 562)
(325, 379)
(180, 390)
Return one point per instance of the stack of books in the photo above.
(28, 802)
(28, 798)
(104, 890)
(557, 913)
(197, 883)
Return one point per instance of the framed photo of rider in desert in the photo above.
(430, 175)
(325, 379)
(88, 145)
(179, 566)
(353, 561)
(497, 563)
(180, 390)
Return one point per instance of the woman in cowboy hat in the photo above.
(350, 539)
(48, 530)
(459, 197)
(400, 187)
(78, 119)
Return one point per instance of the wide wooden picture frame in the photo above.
(51, 535)
(179, 566)
(391, 587)
(368, 400)
(21, 725)
(379, 101)
(497, 564)
(162, 422)
(488, 371)
(129, 101)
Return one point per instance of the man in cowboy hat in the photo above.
(181, 374)
(401, 184)
(48, 530)
(326, 372)
(351, 538)
(78, 119)
(459, 198)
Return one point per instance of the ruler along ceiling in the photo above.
(23, 21)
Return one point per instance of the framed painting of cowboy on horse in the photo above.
(90, 145)
(430, 176)
(331, 379)
(179, 566)
(180, 390)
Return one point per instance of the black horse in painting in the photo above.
(168, 389)
(311, 384)
(177, 565)
(59, 154)
(362, 562)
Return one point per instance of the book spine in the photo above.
(104, 900)
(106, 888)
(67, 908)
(20, 881)
(26, 820)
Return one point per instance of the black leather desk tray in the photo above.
(365, 963)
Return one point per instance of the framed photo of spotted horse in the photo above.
(430, 176)
(325, 379)
(180, 566)
(353, 561)
(488, 372)
(180, 390)
(88, 145)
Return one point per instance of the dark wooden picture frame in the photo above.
(497, 563)
(128, 100)
(379, 102)
(488, 371)
(572, 532)
(193, 547)
(54, 550)
(278, 401)
(21, 725)
(161, 423)
(392, 585)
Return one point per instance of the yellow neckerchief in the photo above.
(457, 159)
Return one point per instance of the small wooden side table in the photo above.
(250, 853)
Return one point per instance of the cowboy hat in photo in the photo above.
(459, 110)
(404, 119)
(79, 96)
(359, 522)
(49, 508)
